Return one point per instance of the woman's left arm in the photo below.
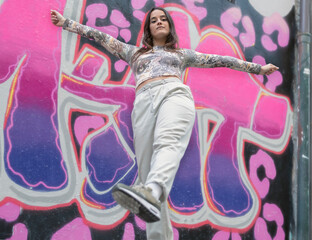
(202, 60)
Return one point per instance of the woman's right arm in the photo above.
(114, 46)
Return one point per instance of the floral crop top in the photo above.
(159, 62)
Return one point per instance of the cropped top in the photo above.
(159, 62)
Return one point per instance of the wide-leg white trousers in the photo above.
(162, 119)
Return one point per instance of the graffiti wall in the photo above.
(66, 136)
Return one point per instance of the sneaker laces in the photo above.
(141, 187)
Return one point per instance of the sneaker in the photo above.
(138, 200)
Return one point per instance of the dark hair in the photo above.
(172, 41)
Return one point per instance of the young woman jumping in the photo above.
(164, 112)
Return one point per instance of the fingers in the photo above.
(56, 18)
(270, 69)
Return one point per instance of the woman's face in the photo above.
(159, 25)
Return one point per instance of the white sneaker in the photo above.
(138, 200)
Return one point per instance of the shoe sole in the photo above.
(136, 204)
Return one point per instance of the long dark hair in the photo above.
(172, 41)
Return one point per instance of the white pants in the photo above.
(162, 119)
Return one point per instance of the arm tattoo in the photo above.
(196, 59)
(114, 46)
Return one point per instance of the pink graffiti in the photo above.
(95, 11)
(175, 234)
(119, 19)
(229, 18)
(274, 80)
(120, 65)
(213, 88)
(125, 34)
(223, 235)
(200, 12)
(128, 232)
(234, 16)
(9, 212)
(268, 121)
(182, 28)
(76, 229)
(138, 4)
(236, 236)
(271, 213)
(159, 2)
(248, 38)
(261, 230)
(87, 69)
(139, 15)
(275, 23)
(140, 223)
(20, 232)
(84, 123)
(262, 159)
(90, 68)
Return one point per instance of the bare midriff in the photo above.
(153, 80)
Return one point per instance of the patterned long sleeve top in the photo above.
(159, 62)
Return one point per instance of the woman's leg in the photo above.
(143, 124)
(173, 129)
(162, 120)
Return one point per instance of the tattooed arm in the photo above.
(196, 59)
(122, 50)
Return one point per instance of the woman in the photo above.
(163, 113)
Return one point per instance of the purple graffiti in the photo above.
(27, 139)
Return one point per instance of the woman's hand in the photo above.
(57, 18)
(268, 69)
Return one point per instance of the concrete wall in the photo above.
(66, 135)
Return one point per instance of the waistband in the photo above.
(157, 83)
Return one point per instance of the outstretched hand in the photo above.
(268, 69)
(57, 18)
